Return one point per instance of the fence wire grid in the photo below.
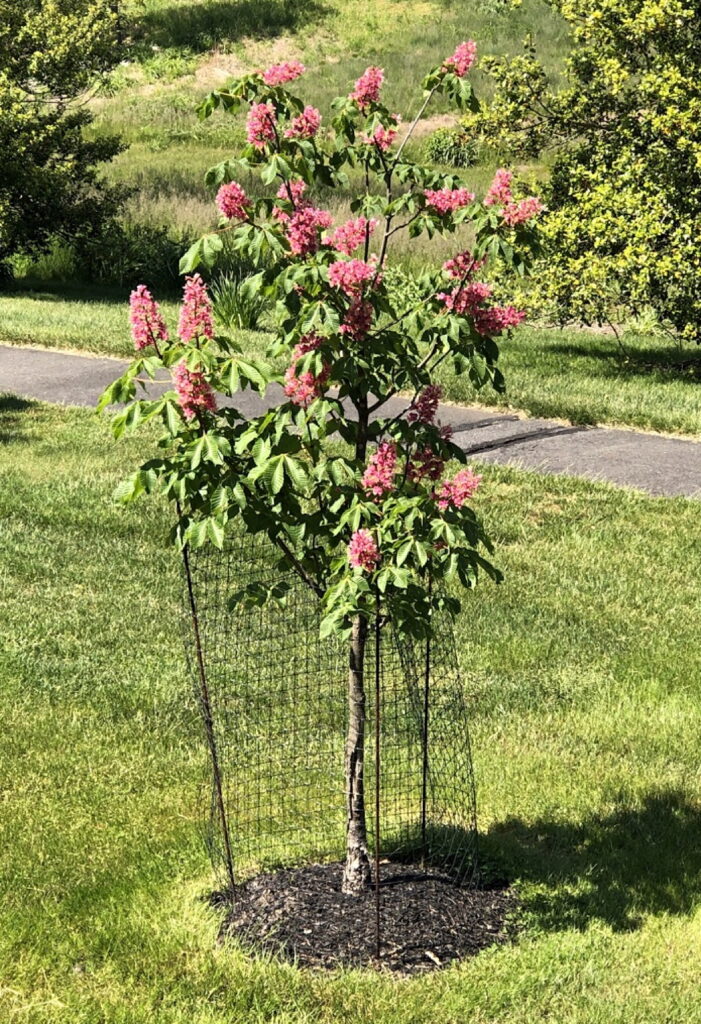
(275, 711)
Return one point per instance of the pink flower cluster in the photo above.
(363, 552)
(193, 390)
(425, 406)
(260, 125)
(147, 324)
(463, 58)
(196, 319)
(350, 235)
(378, 478)
(382, 137)
(523, 210)
(304, 227)
(351, 275)
(495, 319)
(367, 88)
(457, 491)
(463, 265)
(358, 318)
(278, 74)
(465, 300)
(304, 125)
(499, 192)
(514, 211)
(303, 388)
(232, 201)
(447, 200)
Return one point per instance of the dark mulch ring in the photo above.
(427, 921)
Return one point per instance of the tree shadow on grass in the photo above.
(200, 27)
(665, 363)
(11, 420)
(614, 868)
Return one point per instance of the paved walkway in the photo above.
(649, 462)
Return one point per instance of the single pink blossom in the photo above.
(367, 87)
(260, 125)
(304, 227)
(463, 58)
(499, 192)
(302, 388)
(495, 319)
(196, 319)
(147, 324)
(358, 319)
(378, 478)
(447, 200)
(194, 391)
(304, 125)
(425, 406)
(350, 235)
(363, 552)
(522, 211)
(232, 201)
(351, 275)
(457, 491)
(382, 137)
(278, 74)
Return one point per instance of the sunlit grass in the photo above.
(583, 681)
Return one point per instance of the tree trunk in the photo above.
(356, 874)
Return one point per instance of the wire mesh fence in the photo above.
(273, 697)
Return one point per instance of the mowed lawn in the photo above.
(583, 672)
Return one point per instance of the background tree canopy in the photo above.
(51, 52)
(625, 190)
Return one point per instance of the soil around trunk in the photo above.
(427, 922)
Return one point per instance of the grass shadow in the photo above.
(200, 27)
(11, 420)
(662, 362)
(614, 868)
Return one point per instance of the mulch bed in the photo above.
(427, 922)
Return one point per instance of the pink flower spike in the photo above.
(196, 319)
(362, 551)
(278, 74)
(457, 491)
(194, 391)
(367, 87)
(447, 200)
(304, 227)
(358, 319)
(382, 137)
(303, 388)
(378, 478)
(260, 125)
(147, 324)
(499, 192)
(495, 319)
(463, 265)
(351, 275)
(305, 125)
(426, 405)
(233, 202)
(350, 235)
(522, 211)
(463, 58)
(467, 299)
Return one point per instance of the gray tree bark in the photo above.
(356, 874)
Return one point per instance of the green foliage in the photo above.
(238, 304)
(625, 191)
(277, 472)
(51, 52)
(123, 253)
(452, 146)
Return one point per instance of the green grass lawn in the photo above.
(573, 375)
(584, 680)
